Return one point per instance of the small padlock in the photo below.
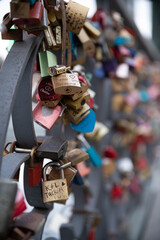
(19, 9)
(75, 16)
(46, 59)
(69, 172)
(77, 115)
(78, 104)
(44, 116)
(92, 31)
(66, 84)
(56, 70)
(35, 170)
(46, 91)
(87, 43)
(54, 190)
(35, 16)
(52, 148)
(58, 31)
(76, 156)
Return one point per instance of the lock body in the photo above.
(54, 190)
(35, 174)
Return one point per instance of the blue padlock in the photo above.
(93, 155)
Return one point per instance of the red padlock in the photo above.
(92, 234)
(35, 16)
(20, 205)
(35, 170)
(116, 192)
(110, 152)
(46, 91)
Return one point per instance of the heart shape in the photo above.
(87, 124)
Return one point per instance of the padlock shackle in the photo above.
(48, 165)
(32, 156)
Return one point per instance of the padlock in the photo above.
(85, 123)
(46, 91)
(52, 17)
(92, 31)
(78, 104)
(35, 169)
(100, 130)
(78, 115)
(35, 16)
(69, 172)
(54, 190)
(56, 70)
(75, 16)
(51, 104)
(49, 37)
(76, 156)
(110, 152)
(109, 167)
(30, 223)
(19, 206)
(87, 43)
(13, 34)
(52, 148)
(94, 157)
(44, 116)
(66, 84)
(19, 9)
(46, 59)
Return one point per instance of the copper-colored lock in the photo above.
(13, 34)
(34, 17)
(109, 167)
(78, 104)
(76, 156)
(35, 170)
(66, 84)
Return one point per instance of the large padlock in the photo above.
(35, 169)
(54, 190)
(52, 148)
(66, 84)
(35, 16)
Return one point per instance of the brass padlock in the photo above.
(87, 43)
(66, 84)
(75, 16)
(78, 104)
(56, 70)
(19, 9)
(77, 115)
(54, 190)
(69, 173)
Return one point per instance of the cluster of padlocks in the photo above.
(64, 95)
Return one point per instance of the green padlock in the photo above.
(46, 59)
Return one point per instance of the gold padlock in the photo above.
(51, 104)
(66, 84)
(78, 115)
(78, 104)
(87, 43)
(54, 190)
